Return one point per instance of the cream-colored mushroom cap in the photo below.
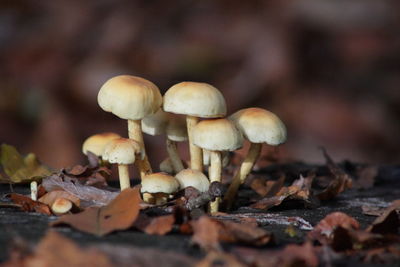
(129, 97)
(260, 126)
(176, 128)
(217, 135)
(195, 99)
(196, 179)
(122, 151)
(159, 183)
(97, 142)
(156, 123)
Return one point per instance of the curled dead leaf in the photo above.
(120, 214)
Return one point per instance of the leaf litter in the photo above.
(102, 210)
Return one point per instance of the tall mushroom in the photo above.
(195, 100)
(258, 126)
(122, 151)
(131, 98)
(217, 135)
(174, 127)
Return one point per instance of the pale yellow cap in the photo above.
(159, 183)
(129, 97)
(195, 99)
(96, 143)
(122, 151)
(176, 128)
(155, 124)
(196, 179)
(217, 135)
(260, 126)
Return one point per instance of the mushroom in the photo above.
(196, 179)
(34, 190)
(157, 187)
(61, 206)
(174, 127)
(122, 151)
(217, 135)
(224, 155)
(166, 166)
(258, 126)
(131, 98)
(195, 100)
(97, 142)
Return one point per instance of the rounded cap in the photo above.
(176, 128)
(159, 183)
(129, 97)
(260, 126)
(156, 123)
(196, 179)
(61, 206)
(97, 142)
(217, 135)
(122, 151)
(195, 99)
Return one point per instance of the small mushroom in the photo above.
(157, 187)
(195, 100)
(166, 166)
(258, 126)
(131, 98)
(196, 179)
(217, 135)
(174, 127)
(122, 151)
(61, 206)
(34, 190)
(96, 143)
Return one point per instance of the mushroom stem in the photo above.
(174, 156)
(196, 156)
(123, 172)
(215, 176)
(34, 190)
(135, 133)
(240, 176)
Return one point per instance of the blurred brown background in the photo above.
(329, 69)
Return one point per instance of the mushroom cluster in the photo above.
(189, 111)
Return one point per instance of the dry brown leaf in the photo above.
(160, 225)
(323, 231)
(387, 223)
(56, 250)
(366, 177)
(50, 197)
(214, 258)
(267, 188)
(341, 180)
(209, 232)
(120, 214)
(27, 204)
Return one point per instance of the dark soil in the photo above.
(15, 224)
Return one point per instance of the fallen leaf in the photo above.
(267, 188)
(56, 250)
(341, 180)
(209, 232)
(323, 231)
(29, 205)
(120, 214)
(89, 195)
(159, 225)
(387, 223)
(214, 258)
(50, 197)
(20, 169)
